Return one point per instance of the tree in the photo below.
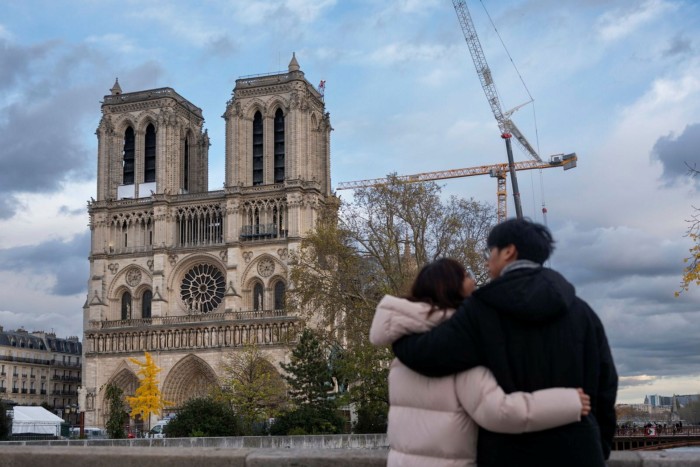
(148, 399)
(310, 384)
(5, 422)
(691, 273)
(253, 387)
(372, 246)
(690, 413)
(117, 417)
(204, 416)
(308, 375)
(625, 413)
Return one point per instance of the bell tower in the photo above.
(277, 132)
(150, 142)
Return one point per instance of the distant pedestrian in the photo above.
(531, 330)
(434, 421)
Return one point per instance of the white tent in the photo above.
(35, 420)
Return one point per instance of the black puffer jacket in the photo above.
(532, 331)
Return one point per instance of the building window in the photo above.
(126, 305)
(129, 146)
(279, 295)
(200, 225)
(202, 288)
(186, 166)
(146, 304)
(258, 297)
(257, 149)
(279, 146)
(150, 155)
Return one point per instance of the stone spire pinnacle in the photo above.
(116, 89)
(293, 64)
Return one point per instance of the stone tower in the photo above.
(189, 274)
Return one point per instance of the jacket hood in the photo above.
(539, 294)
(396, 317)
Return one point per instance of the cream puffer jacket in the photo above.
(433, 421)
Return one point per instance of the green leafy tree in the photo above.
(368, 247)
(308, 375)
(5, 422)
(308, 420)
(310, 386)
(117, 417)
(252, 385)
(148, 399)
(206, 417)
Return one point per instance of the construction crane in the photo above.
(498, 171)
(505, 124)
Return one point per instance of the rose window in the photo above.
(202, 288)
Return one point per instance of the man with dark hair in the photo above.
(528, 326)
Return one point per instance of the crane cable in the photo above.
(534, 113)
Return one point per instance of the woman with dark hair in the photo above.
(433, 421)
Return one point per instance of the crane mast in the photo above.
(508, 129)
(505, 124)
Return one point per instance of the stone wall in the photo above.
(307, 451)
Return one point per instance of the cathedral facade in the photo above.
(189, 274)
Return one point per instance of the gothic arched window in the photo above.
(146, 304)
(126, 305)
(128, 168)
(150, 155)
(279, 146)
(258, 297)
(279, 295)
(257, 149)
(186, 165)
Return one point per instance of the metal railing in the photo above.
(10, 358)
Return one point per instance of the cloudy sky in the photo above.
(616, 81)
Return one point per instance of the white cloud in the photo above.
(617, 23)
(113, 43)
(5, 33)
(437, 76)
(415, 6)
(633, 390)
(399, 52)
(183, 23)
(308, 10)
(264, 11)
(43, 216)
(32, 306)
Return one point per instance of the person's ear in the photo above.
(510, 252)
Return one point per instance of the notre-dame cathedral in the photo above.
(189, 274)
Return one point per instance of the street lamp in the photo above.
(82, 403)
(71, 409)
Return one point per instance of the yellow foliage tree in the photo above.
(691, 273)
(148, 399)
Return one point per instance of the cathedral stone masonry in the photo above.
(188, 274)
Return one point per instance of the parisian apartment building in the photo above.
(38, 367)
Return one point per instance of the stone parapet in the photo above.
(38, 454)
